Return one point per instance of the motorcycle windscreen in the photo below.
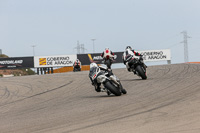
(93, 72)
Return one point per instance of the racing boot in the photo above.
(98, 88)
(108, 92)
(128, 67)
(110, 72)
(144, 66)
(134, 72)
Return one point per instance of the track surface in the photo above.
(168, 102)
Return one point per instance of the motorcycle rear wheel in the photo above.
(108, 63)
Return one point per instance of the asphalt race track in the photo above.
(167, 102)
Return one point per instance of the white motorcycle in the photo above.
(111, 83)
(137, 66)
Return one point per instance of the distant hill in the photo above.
(3, 56)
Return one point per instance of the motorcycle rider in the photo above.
(96, 71)
(93, 68)
(128, 55)
(108, 54)
(77, 64)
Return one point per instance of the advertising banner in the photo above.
(54, 61)
(86, 59)
(16, 62)
(148, 55)
(156, 55)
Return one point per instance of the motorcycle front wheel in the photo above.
(122, 89)
(112, 88)
(141, 72)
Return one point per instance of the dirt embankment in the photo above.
(16, 72)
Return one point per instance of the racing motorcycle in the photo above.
(76, 68)
(108, 61)
(137, 66)
(111, 83)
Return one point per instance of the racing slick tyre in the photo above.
(141, 72)
(76, 69)
(108, 63)
(112, 88)
(122, 89)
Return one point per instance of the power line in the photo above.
(83, 49)
(175, 44)
(185, 42)
(93, 44)
(80, 48)
(166, 40)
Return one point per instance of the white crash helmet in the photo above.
(106, 48)
(93, 65)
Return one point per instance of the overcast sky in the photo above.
(55, 26)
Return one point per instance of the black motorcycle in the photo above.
(137, 66)
(108, 60)
(77, 68)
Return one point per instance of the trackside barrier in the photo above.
(47, 64)
(70, 69)
(16, 62)
(148, 55)
(194, 62)
(54, 61)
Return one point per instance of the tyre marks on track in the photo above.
(68, 102)
(7, 94)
